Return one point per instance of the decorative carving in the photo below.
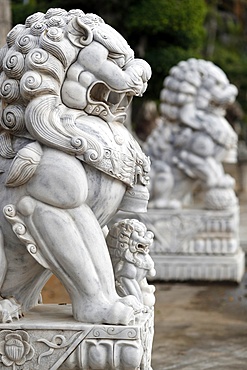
(116, 332)
(192, 232)
(129, 242)
(147, 334)
(193, 140)
(106, 354)
(62, 343)
(194, 244)
(59, 342)
(15, 348)
(20, 230)
(67, 163)
(24, 165)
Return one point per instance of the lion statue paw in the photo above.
(9, 310)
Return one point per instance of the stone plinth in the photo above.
(195, 244)
(48, 338)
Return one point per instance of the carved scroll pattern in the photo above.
(59, 342)
(20, 229)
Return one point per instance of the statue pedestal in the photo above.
(195, 244)
(48, 338)
(210, 268)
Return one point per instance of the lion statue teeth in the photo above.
(194, 138)
(67, 163)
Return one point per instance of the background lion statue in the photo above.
(193, 140)
(67, 163)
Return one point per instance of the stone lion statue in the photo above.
(129, 243)
(194, 139)
(67, 163)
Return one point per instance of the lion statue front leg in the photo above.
(90, 283)
(70, 240)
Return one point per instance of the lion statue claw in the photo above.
(67, 163)
(9, 310)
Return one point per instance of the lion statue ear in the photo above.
(79, 33)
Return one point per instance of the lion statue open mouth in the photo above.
(67, 163)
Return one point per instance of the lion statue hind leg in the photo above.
(9, 308)
(22, 283)
(19, 285)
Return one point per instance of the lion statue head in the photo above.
(61, 66)
(129, 235)
(196, 91)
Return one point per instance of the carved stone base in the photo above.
(48, 338)
(211, 268)
(194, 244)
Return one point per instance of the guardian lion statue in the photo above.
(129, 243)
(67, 163)
(189, 147)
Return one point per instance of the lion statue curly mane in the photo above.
(67, 163)
(194, 138)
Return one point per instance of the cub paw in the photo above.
(9, 310)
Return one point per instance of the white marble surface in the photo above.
(67, 164)
(194, 244)
(55, 340)
(193, 209)
(67, 161)
(188, 147)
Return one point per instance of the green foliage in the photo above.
(160, 31)
(178, 19)
(163, 32)
(225, 46)
(162, 60)
(21, 11)
(233, 61)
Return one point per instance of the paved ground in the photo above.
(198, 326)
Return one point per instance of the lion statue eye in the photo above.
(120, 61)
